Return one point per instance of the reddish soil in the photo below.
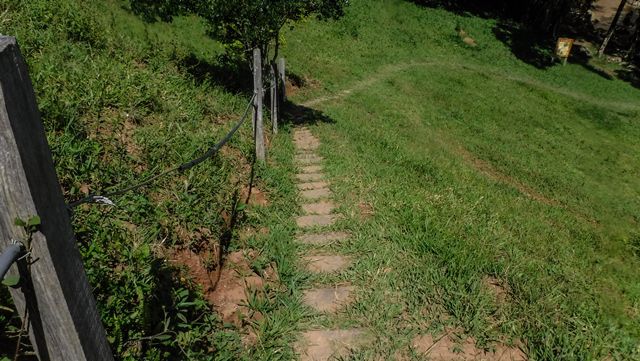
(366, 210)
(498, 288)
(448, 348)
(227, 288)
(254, 196)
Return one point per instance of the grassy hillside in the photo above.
(122, 100)
(480, 169)
(486, 197)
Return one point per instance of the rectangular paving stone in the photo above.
(316, 220)
(310, 177)
(328, 300)
(326, 263)
(307, 144)
(312, 185)
(311, 169)
(309, 159)
(323, 207)
(313, 194)
(319, 239)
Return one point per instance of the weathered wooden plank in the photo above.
(283, 80)
(257, 114)
(274, 98)
(63, 319)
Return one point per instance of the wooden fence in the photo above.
(54, 297)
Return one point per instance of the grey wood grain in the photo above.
(257, 114)
(64, 321)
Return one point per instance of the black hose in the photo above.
(7, 258)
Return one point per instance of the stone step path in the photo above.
(318, 212)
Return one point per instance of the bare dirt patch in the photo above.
(603, 12)
(250, 232)
(319, 345)
(449, 348)
(254, 196)
(227, 286)
(498, 288)
(366, 210)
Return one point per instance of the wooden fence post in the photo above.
(274, 98)
(283, 80)
(63, 320)
(257, 111)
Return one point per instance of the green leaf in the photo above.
(34, 221)
(19, 222)
(11, 281)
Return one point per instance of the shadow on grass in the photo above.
(234, 76)
(526, 45)
(631, 75)
(297, 114)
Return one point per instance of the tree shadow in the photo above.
(581, 55)
(631, 75)
(234, 76)
(297, 114)
(527, 45)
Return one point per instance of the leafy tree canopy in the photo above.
(243, 24)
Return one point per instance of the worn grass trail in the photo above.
(388, 71)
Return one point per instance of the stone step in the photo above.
(307, 144)
(326, 263)
(314, 194)
(310, 177)
(323, 207)
(311, 169)
(325, 345)
(316, 220)
(321, 239)
(329, 299)
(304, 137)
(308, 159)
(312, 185)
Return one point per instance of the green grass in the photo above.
(476, 164)
(120, 101)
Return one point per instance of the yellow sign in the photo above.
(563, 48)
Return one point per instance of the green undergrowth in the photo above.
(122, 100)
(479, 169)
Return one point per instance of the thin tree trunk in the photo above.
(612, 28)
(635, 42)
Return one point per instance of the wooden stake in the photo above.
(274, 99)
(283, 80)
(257, 113)
(63, 320)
